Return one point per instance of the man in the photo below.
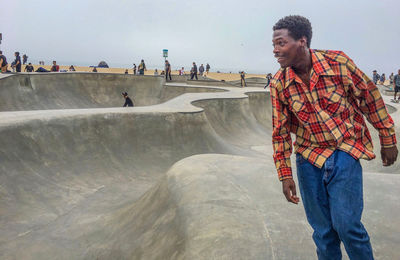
(194, 71)
(142, 67)
(319, 96)
(375, 77)
(3, 63)
(242, 80)
(201, 69)
(128, 101)
(396, 85)
(207, 68)
(55, 67)
(17, 62)
(167, 70)
(134, 69)
(29, 68)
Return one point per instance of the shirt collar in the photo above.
(320, 68)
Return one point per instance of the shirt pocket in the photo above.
(300, 109)
(334, 101)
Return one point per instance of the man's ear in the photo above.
(303, 41)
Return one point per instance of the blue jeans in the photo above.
(333, 201)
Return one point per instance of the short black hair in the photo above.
(298, 26)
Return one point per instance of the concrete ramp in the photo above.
(187, 175)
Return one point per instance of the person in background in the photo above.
(17, 62)
(71, 68)
(142, 67)
(242, 79)
(167, 70)
(201, 70)
(29, 68)
(391, 78)
(128, 101)
(134, 69)
(375, 77)
(55, 67)
(182, 71)
(155, 72)
(193, 71)
(24, 59)
(3, 63)
(94, 69)
(126, 71)
(207, 68)
(269, 77)
(383, 78)
(396, 85)
(41, 69)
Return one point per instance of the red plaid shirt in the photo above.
(327, 115)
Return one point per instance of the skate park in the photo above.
(185, 174)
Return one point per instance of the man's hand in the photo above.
(289, 189)
(389, 155)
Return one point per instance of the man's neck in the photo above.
(304, 65)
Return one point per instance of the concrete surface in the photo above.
(186, 175)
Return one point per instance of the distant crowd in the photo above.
(16, 66)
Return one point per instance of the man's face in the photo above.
(374, 72)
(54, 63)
(286, 49)
(398, 72)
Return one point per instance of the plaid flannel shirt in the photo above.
(327, 115)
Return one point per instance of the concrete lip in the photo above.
(190, 177)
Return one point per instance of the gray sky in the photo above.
(230, 35)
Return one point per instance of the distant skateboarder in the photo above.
(321, 97)
(167, 70)
(207, 69)
(375, 77)
(17, 62)
(128, 101)
(396, 85)
(194, 71)
(269, 77)
(201, 70)
(242, 79)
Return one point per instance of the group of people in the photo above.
(139, 70)
(394, 80)
(16, 65)
(380, 79)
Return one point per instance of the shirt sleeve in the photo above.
(281, 140)
(372, 105)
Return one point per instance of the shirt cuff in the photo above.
(285, 173)
(388, 141)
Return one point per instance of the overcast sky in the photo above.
(229, 35)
